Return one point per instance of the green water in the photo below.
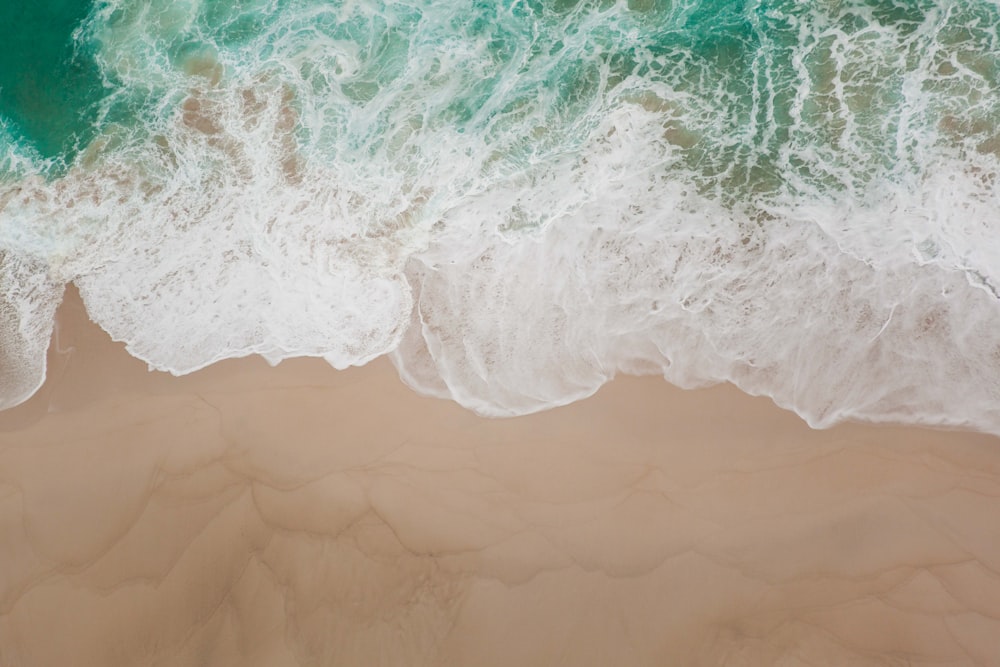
(50, 89)
(228, 176)
(760, 92)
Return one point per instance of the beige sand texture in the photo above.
(297, 515)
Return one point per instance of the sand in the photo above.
(297, 515)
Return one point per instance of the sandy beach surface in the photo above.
(298, 515)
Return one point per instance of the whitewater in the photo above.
(516, 201)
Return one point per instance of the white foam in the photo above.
(517, 254)
(28, 300)
(640, 273)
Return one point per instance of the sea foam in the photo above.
(518, 201)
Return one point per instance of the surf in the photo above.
(517, 201)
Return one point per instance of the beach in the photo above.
(517, 333)
(298, 515)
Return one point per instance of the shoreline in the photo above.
(257, 515)
(132, 373)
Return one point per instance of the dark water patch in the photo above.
(50, 86)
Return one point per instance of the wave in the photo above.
(517, 201)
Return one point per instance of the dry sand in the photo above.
(248, 515)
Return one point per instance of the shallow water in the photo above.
(518, 200)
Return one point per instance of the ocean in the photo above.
(516, 201)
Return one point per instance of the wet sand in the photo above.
(297, 515)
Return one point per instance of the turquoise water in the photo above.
(50, 87)
(761, 90)
(516, 200)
